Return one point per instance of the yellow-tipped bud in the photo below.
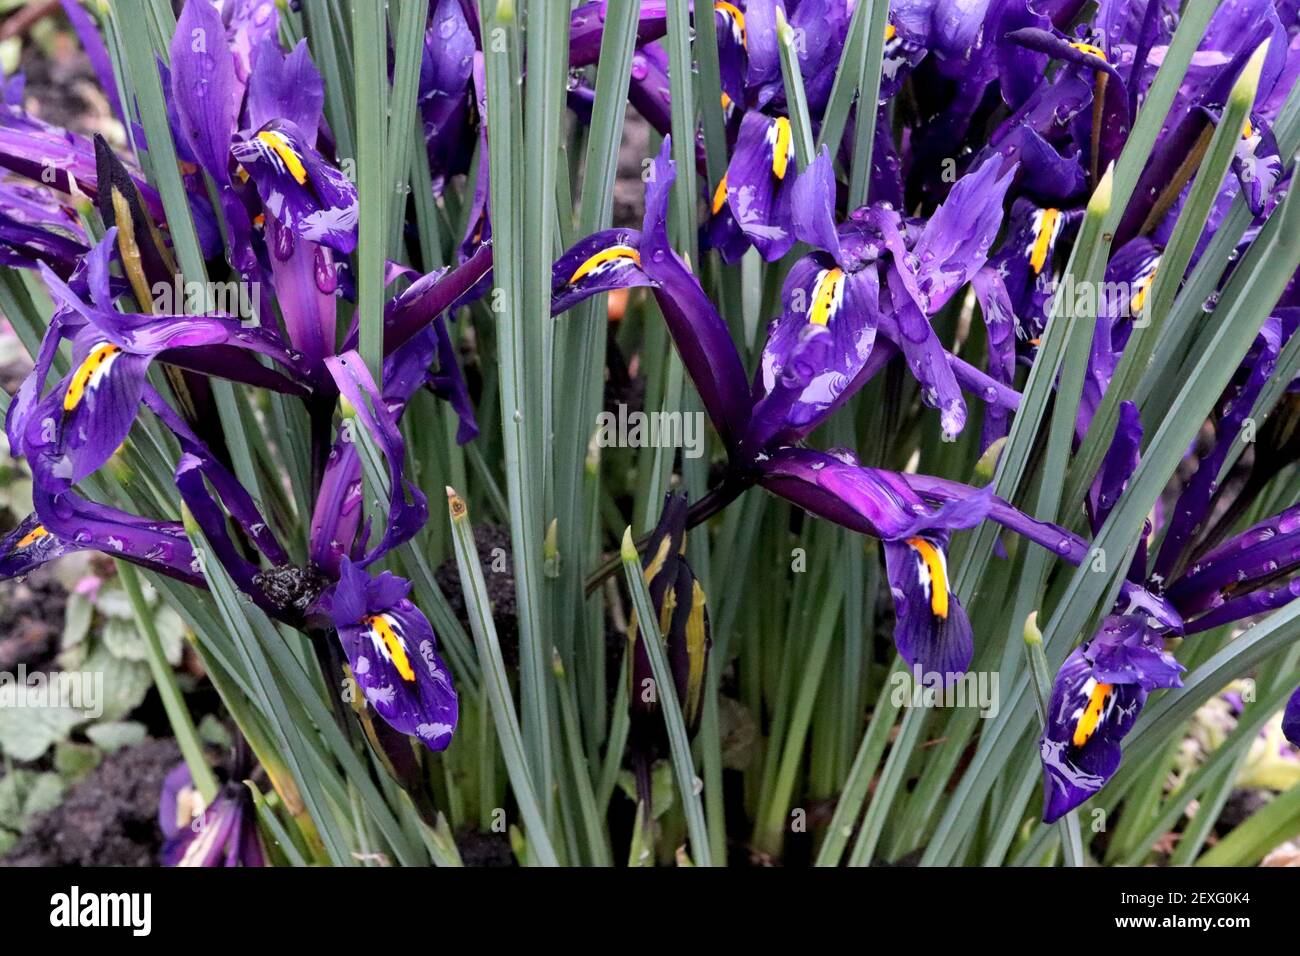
(1033, 636)
(628, 551)
(551, 549)
(783, 27)
(988, 463)
(1247, 85)
(1099, 204)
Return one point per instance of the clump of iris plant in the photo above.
(999, 294)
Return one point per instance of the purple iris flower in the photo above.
(1204, 578)
(34, 227)
(289, 214)
(913, 516)
(445, 102)
(1291, 719)
(1095, 700)
(877, 273)
(393, 654)
(223, 833)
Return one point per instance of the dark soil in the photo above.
(62, 88)
(1240, 806)
(629, 190)
(31, 619)
(110, 818)
(484, 849)
(499, 575)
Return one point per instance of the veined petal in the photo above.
(908, 328)
(759, 180)
(1080, 746)
(1000, 333)
(932, 631)
(733, 43)
(205, 90)
(955, 242)
(1257, 163)
(30, 545)
(298, 187)
(816, 351)
(393, 655)
(606, 260)
(286, 86)
(1117, 467)
(1095, 700)
(75, 524)
(83, 421)
(813, 206)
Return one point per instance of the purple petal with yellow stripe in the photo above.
(298, 187)
(1095, 700)
(393, 654)
(759, 181)
(605, 260)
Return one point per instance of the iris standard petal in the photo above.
(286, 86)
(813, 205)
(408, 508)
(205, 90)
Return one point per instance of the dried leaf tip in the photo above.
(456, 504)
